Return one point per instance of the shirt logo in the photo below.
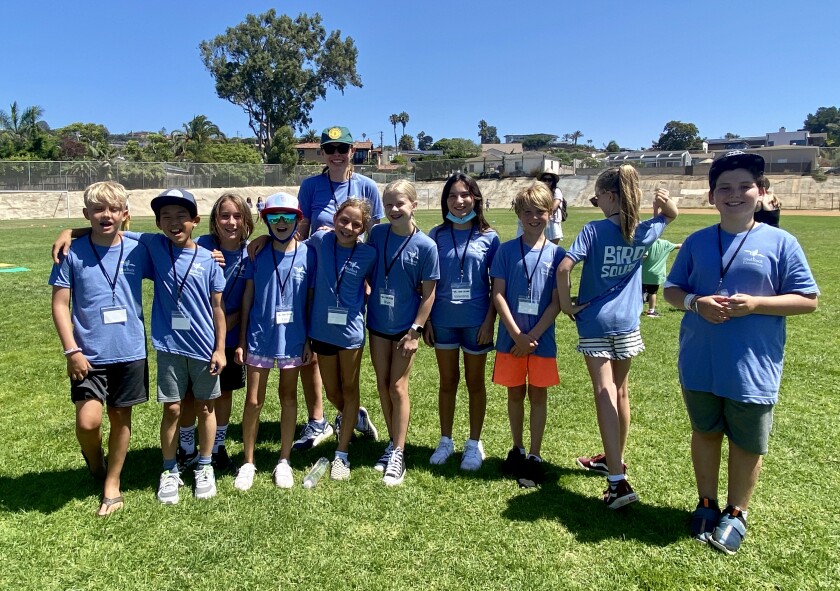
(547, 268)
(412, 257)
(299, 272)
(197, 270)
(352, 267)
(128, 268)
(753, 258)
(620, 260)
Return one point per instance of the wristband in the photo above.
(418, 328)
(693, 304)
(687, 300)
(73, 350)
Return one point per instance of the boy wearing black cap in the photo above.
(737, 281)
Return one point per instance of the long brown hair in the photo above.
(624, 182)
(247, 219)
(478, 200)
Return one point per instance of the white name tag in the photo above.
(387, 297)
(114, 315)
(180, 321)
(337, 316)
(527, 306)
(461, 291)
(282, 315)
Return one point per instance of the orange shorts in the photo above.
(513, 371)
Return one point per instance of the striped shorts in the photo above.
(619, 346)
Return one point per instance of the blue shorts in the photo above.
(747, 425)
(463, 338)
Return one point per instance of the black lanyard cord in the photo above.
(725, 270)
(111, 284)
(528, 277)
(281, 282)
(180, 288)
(390, 266)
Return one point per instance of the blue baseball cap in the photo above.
(180, 197)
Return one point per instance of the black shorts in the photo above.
(391, 337)
(650, 288)
(322, 348)
(233, 375)
(119, 385)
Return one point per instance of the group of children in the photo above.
(301, 300)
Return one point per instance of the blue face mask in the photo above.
(456, 220)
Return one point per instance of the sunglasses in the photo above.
(331, 149)
(594, 199)
(276, 218)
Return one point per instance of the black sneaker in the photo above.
(514, 463)
(222, 463)
(186, 460)
(619, 494)
(533, 473)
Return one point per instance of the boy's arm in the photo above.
(61, 246)
(547, 318)
(522, 343)
(711, 308)
(786, 304)
(218, 360)
(245, 313)
(77, 363)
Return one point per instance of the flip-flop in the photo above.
(109, 504)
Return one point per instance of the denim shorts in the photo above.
(746, 424)
(463, 338)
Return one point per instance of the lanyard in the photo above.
(725, 270)
(339, 277)
(528, 277)
(332, 187)
(237, 271)
(180, 288)
(390, 266)
(462, 257)
(112, 284)
(277, 271)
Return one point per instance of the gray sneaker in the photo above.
(167, 492)
(313, 433)
(205, 482)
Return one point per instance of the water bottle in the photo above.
(315, 474)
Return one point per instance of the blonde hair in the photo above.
(247, 219)
(401, 187)
(106, 193)
(624, 182)
(536, 195)
(360, 204)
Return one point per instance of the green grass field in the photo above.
(443, 529)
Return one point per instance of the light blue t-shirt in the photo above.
(236, 262)
(611, 278)
(198, 276)
(352, 266)
(90, 293)
(319, 196)
(412, 260)
(277, 324)
(477, 250)
(508, 265)
(741, 358)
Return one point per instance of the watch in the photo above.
(418, 328)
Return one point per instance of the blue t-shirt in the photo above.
(741, 358)
(412, 260)
(277, 324)
(200, 276)
(508, 265)
(90, 292)
(477, 251)
(353, 266)
(236, 262)
(611, 278)
(319, 196)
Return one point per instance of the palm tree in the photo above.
(567, 137)
(394, 119)
(310, 137)
(404, 120)
(195, 137)
(575, 136)
(19, 125)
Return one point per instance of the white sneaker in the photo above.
(245, 477)
(205, 482)
(473, 455)
(167, 492)
(283, 477)
(339, 470)
(444, 449)
(382, 462)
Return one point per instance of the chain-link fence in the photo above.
(76, 175)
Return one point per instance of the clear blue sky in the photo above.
(613, 70)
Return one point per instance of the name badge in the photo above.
(461, 291)
(282, 315)
(114, 315)
(387, 297)
(337, 316)
(180, 321)
(527, 306)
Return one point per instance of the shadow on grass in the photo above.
(589, 520)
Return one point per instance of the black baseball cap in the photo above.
(734, 160)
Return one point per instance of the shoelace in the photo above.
(395, 464)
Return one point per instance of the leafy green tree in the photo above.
(487, 133)
(457, 148)
(536, 141)
(731, 136)
(613, 147)
(311, 136)
(20, 131)
(86, 133)
(825, 120)
(158, 148)
(275, 68)
(394, 119)
(424, 142)
(192, 142)
(235, 152)
(406, 142)
(283, 149)
(677, 135)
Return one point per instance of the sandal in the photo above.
(112, 505)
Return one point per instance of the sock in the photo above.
(171, 465)
(204, 460)
(616, 478)
(533, 457)
(221, 434)
(446, 439)
(186, 437)
(342, 455)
